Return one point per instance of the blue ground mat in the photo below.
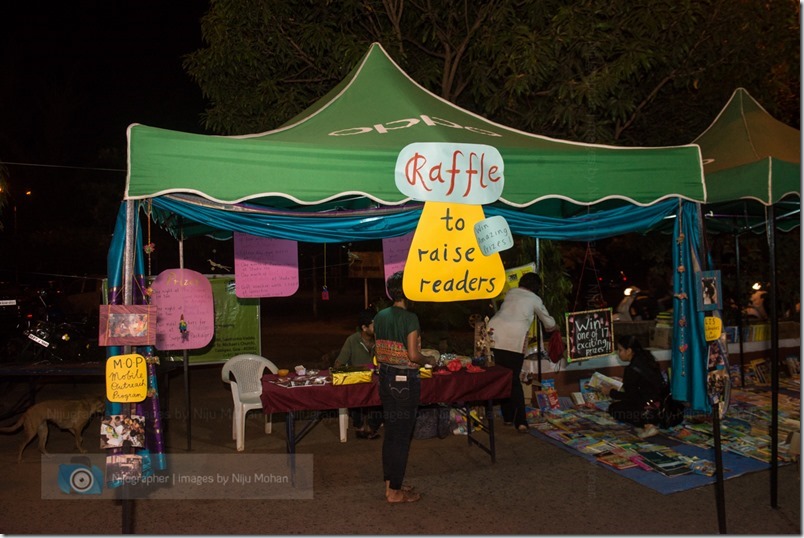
(734, 465)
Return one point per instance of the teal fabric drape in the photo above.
(689, 351)
(153, 456)
(365, 225)
(589, 227)
(688, 363)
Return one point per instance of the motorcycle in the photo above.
(50, 339)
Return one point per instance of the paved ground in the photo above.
(534, 488)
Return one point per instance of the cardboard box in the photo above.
(661, 337)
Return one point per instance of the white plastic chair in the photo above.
(247, 370)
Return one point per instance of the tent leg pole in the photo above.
(127, 514)
(186, 361)
(774, 323)
(739, 310)
(719, 491)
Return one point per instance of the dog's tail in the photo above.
(14, 427)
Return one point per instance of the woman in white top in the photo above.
(510, 325)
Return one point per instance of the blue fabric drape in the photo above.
(689, 365)
(590, 227)
(689, 351)
(312, 228)
(151, 459)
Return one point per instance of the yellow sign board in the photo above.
(712, 328)
(445, 262)
(126, 378)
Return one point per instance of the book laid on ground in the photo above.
(667, 462)
(616, 460)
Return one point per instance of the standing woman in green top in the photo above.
(398, 346)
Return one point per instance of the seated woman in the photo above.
(642, 383)
(358, 350)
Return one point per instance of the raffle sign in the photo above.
(446, 261)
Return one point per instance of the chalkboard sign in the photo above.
(589, 334)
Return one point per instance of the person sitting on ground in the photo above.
(643, 382)
(358, 350)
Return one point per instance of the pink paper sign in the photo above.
(185, 313)
(395, 253)
(265, 267)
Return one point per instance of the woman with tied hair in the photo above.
(643, 383)
(510, 327)
(397, 337)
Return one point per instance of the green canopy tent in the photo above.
(751, 161)
(342, 151)
(327, 175)
(752, 166)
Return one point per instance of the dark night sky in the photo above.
(76, 74)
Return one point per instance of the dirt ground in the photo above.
(533, 488)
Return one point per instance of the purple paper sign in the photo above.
(395, 253)
(265, 267)
(185, 313)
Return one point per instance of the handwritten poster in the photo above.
(395, 253)
(237, 326)
(265, 267)
(445, 263)
(589, 334)
(185, 317)
(450, 172)
(126, 378)
(493, 235)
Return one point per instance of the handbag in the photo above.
(556, 347)
(665, 412)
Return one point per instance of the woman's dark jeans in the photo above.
(399, 393)
(513, 409)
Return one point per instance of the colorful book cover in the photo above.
(613, 459)
(549, 387)
(600, 382)
(665, 462)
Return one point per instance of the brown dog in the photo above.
(72, 415)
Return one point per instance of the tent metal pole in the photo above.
(774, 319)
(186, 360)
(739, 310)
(720, 494)
(127, 512)
(538, 327)
(128, 254)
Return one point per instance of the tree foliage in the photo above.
(627, 72)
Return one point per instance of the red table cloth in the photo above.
(458, 387)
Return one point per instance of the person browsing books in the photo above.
(398, 344)
(510, 326)
(358, 350)
(642, 383)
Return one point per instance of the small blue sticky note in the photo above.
(493, 235)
